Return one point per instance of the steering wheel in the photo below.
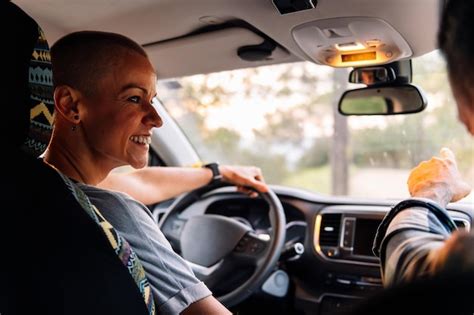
(216, 246)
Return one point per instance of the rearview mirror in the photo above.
(372, 75)
(383, 100)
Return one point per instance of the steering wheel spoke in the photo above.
(204, 273)
(222, 271)
(250, 249)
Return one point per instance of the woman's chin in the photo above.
(139, 164)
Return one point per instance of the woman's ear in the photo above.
(66, 103)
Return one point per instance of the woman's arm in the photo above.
(154, 184)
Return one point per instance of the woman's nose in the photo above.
(153, 117)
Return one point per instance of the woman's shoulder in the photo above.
(102, 195)
(94, 190)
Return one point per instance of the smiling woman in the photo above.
(109, 118)
(278, 111)
(118, 131)
(286, 126)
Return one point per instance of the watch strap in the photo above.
(216, 174)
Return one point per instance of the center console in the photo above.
(345, 233)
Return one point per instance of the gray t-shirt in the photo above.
(173, 283)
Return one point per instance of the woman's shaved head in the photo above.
(80, 59)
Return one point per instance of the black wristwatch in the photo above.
(216, 175)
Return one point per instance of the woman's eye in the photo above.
(134, 99)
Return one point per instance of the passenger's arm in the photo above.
(413, 238)
(420, 245)
(413, 254)
(154, 184)
(206, 306)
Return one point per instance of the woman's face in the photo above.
(117, 120)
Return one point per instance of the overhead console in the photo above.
(351, 41)
(345, 234)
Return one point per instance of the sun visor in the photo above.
(351, 42)
(214, 51)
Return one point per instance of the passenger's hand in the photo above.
(243, 177)
(438, 179)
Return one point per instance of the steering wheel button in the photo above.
(255, 250)
(257, 246)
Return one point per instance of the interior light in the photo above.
(350, 46)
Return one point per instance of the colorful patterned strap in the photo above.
(41, 102)
(123, 250)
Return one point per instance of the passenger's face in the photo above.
(367, 77)
(465, 103)
(119, 118)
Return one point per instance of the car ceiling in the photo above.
(185, 37)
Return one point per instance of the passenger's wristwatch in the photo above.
(216, 175)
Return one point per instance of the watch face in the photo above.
(216, 175)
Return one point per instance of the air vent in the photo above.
(329, 232)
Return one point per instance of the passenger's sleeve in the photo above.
(411, 241)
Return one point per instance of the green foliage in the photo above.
(282, 127)
(292, 146)
(223, 142)
(274, 166)
(315, 179)
(395, 146)
(223, 145)
(361, 106)
(317, 155)
(408, 140)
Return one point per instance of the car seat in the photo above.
(54, 259)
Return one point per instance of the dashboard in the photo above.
(327, 255)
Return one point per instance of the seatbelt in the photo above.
(122, 248)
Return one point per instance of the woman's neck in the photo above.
(75, 165)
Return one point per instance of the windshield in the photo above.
(284, 119)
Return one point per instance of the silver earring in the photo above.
(74, 127)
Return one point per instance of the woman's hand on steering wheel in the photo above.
(247, 179)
